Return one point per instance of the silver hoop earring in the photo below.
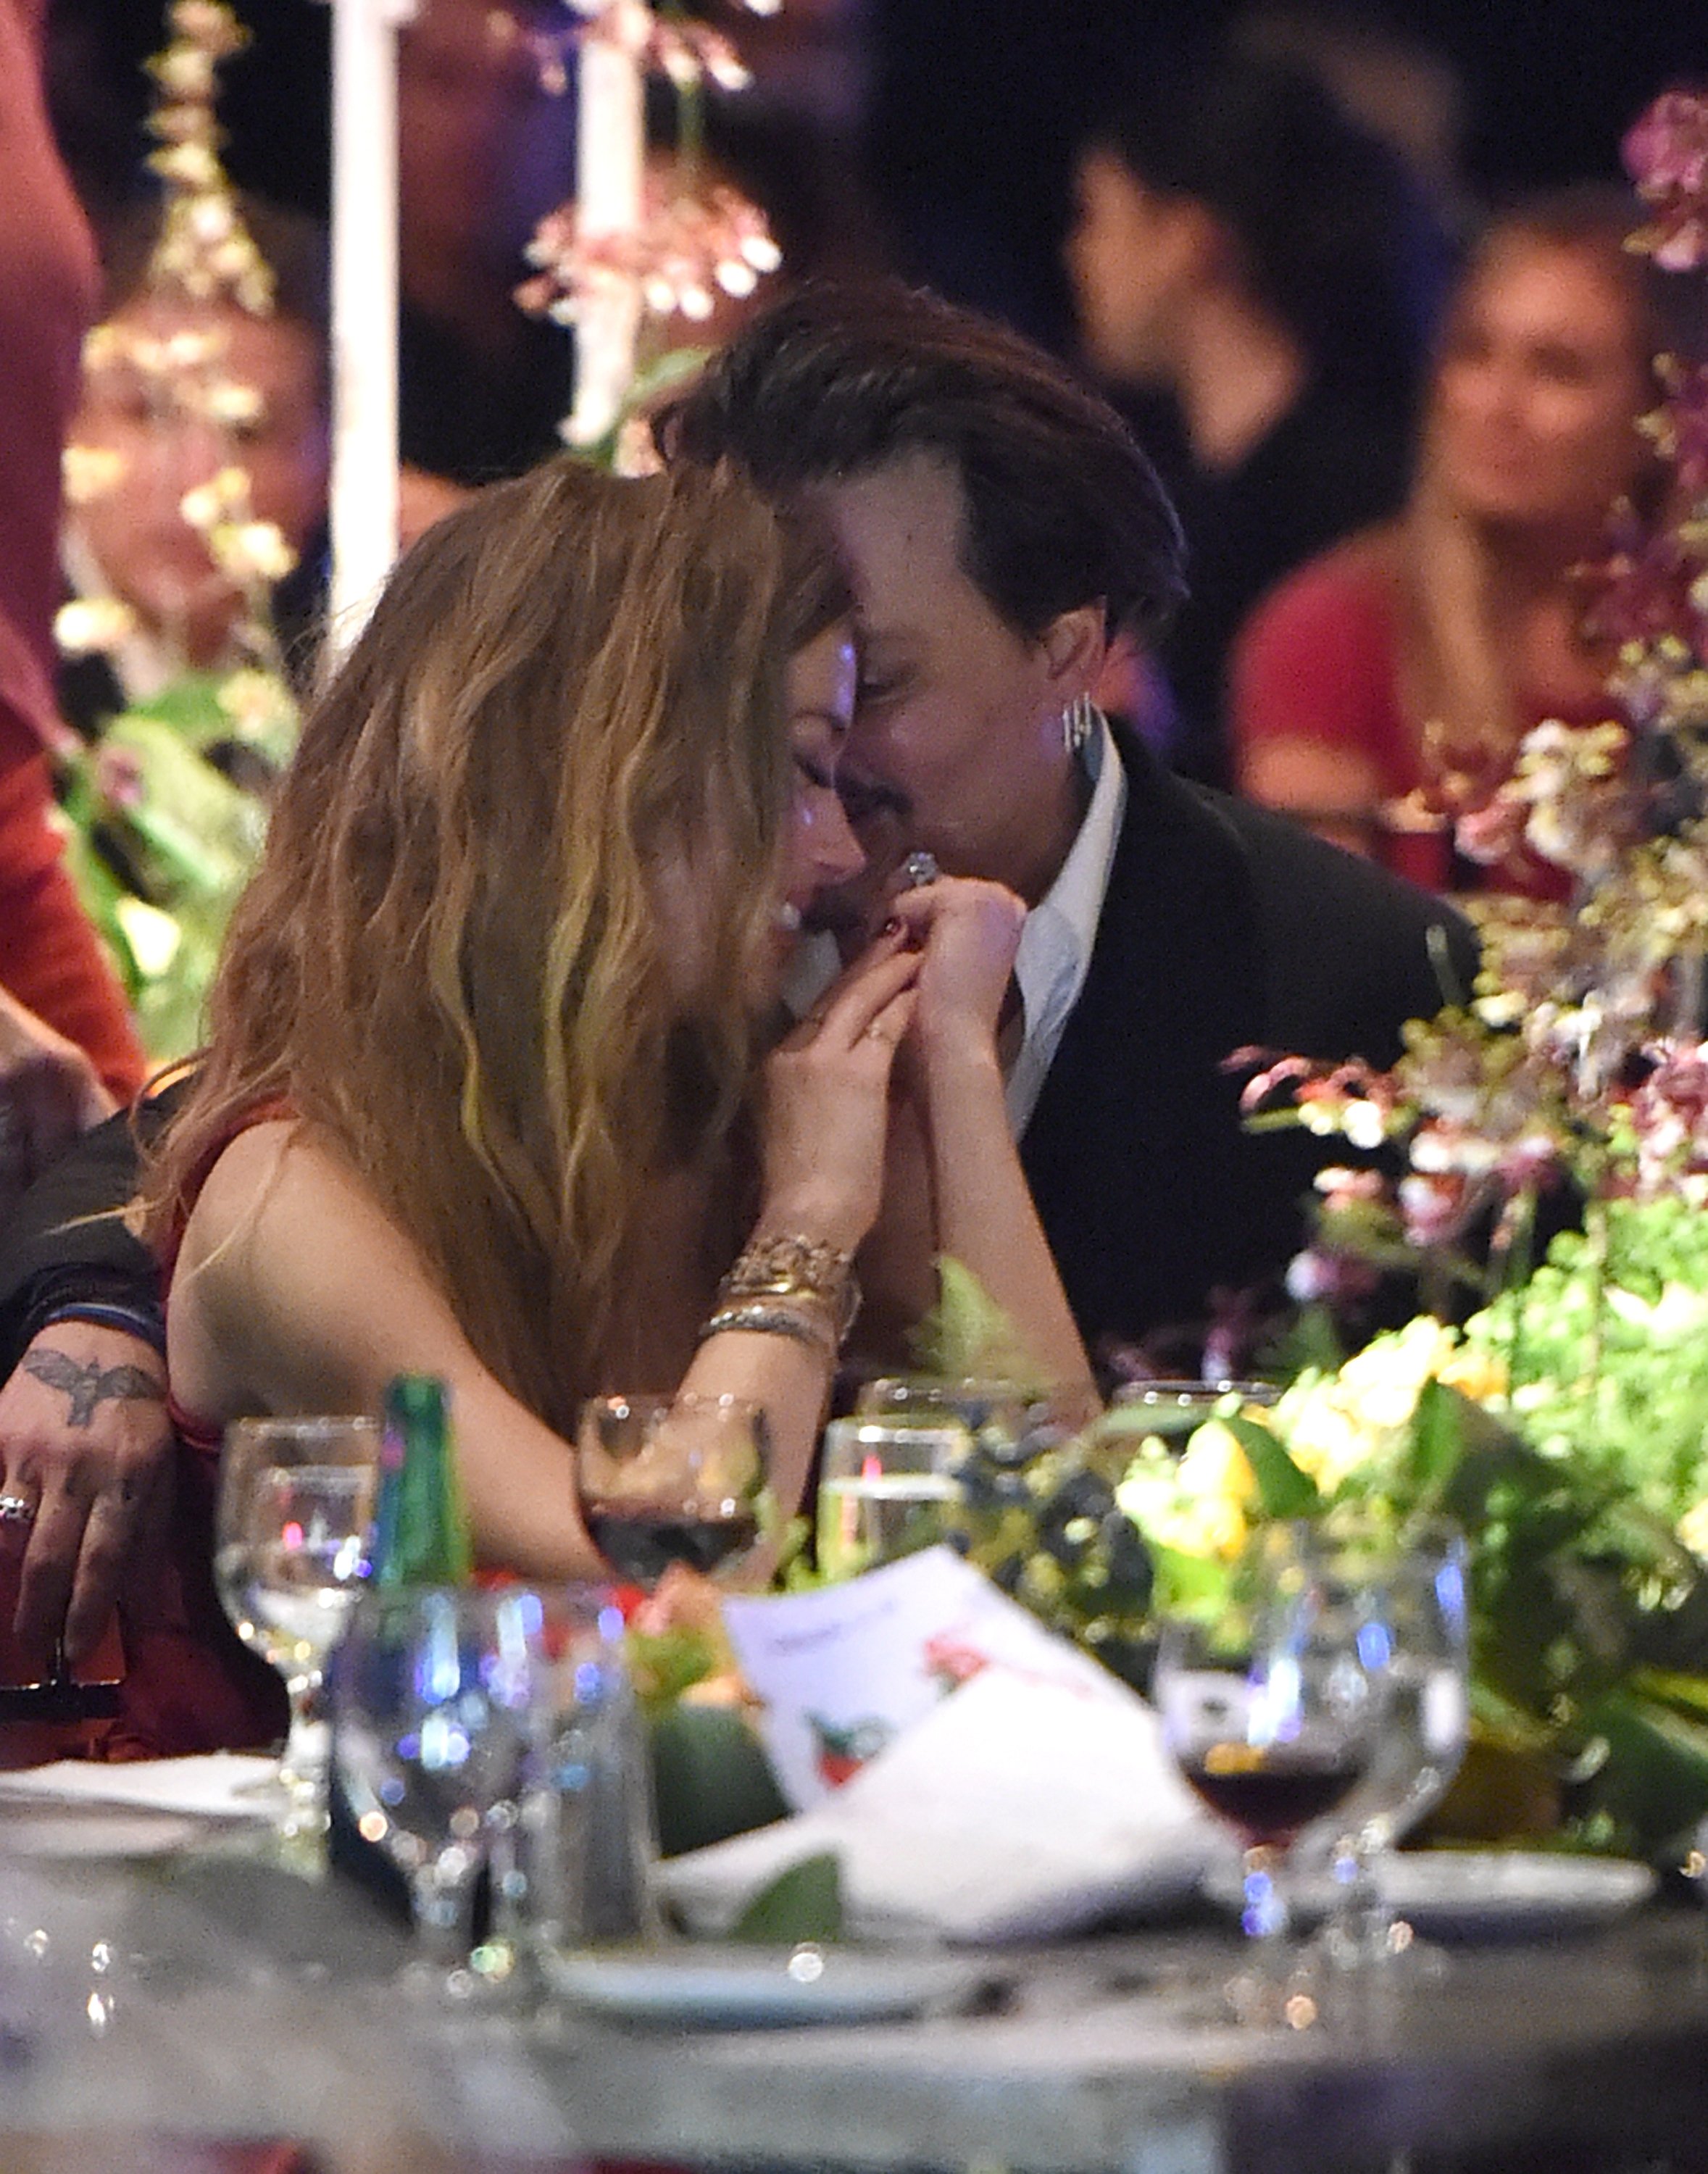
(1080, 720)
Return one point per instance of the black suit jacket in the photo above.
(1224, 926)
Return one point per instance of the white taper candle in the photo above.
(363, 504)
(610, 168)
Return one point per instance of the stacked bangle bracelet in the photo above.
(789, 1286)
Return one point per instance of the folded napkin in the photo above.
(845, 1669)
(1016, 1808)
(218, 1785)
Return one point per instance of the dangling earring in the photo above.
(1080, 720)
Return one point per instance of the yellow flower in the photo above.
(90, 472)
(91, 625)
(1380, 1385)
(1218, 1486)
(1481, 1376)
(1693, 1531)
(251, 551)
(1326, 1442)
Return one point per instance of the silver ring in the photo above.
(15, 1509)
(920, 869)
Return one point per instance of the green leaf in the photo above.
(1438, 1440)
(1283, 1489)
(711, 1778)
(1187, 1585)
(1654, 1782)
(804, 1903)
(966, 1336)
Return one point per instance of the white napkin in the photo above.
(866, 1661)
(1016, 1808)
(214, 1785)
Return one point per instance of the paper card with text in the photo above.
(843, 1671)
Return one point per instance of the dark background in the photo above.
(974, 106)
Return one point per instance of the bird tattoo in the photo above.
(89, 1384)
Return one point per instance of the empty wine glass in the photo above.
(1271, 1702)
(433, 1688)
(666, 1479)
(292, 1523)
(1421, 1573)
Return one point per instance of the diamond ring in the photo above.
(919, 869)
(16, 1510)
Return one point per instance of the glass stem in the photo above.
(442, 1899)
(1264, 1914)
(1358, 1935)
(302, 1771)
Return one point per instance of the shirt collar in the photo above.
(1055, 948)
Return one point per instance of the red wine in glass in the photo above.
(641, 1540)
(1272, 1798)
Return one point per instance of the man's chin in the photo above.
(841, 916)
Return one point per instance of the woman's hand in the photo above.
(826, 1099)
(967, 934)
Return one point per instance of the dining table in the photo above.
(158, 2004)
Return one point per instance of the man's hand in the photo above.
(86, 1468)
(49, 1093)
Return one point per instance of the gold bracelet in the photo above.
(794, 1268)
(775, 1321)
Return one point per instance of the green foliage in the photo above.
(804, 1903)
(162, 841)
(967, 1337)
(1611, 1337)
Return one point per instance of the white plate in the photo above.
(751, 1988)
(1491, 1895)
(41, 1832)
(1475, 1894)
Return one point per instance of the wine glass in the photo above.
(668, 1480)
(885, 1488)
(1175, 1410)
(292, 1523)
(435, 1689)
(1421, 1572)
(1271, 1702)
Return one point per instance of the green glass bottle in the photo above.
(421, 1526)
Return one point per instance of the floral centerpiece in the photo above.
(1546, 1172)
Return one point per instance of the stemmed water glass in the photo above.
(1421, 1573)
(292, 1523)
(434, 1693)
(1272, 1700)
(670, 1479)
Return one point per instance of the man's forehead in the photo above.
(899, 526)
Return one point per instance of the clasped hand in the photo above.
(937, 973)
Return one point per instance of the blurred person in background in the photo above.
(146, 435)
(1246, 249)
(1383, 691)
(66, 1046)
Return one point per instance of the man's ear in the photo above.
(1074, 646)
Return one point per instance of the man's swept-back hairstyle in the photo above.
(451, 964)
(1063, 508)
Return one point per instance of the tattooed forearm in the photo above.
(89, 1384)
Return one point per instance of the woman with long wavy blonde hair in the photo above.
(1382, 691)
(485, 1094)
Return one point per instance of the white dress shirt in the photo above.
(1055, 951)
